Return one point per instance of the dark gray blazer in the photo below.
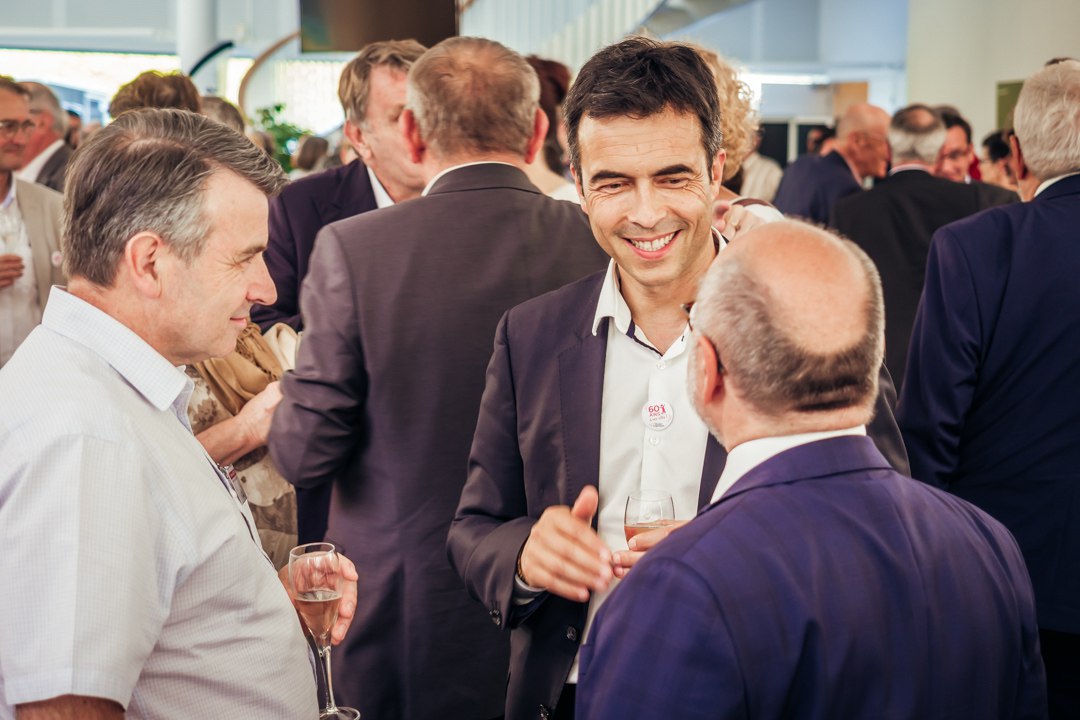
(54, 170)
(537, 444)
(399, 307)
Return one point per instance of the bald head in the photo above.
(862, 138)
(797, 318)
(916, 135)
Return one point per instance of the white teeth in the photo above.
(653, 245)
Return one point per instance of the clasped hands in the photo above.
(565, 556)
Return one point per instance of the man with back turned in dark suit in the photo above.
(823, 584)
(585, 401)
(400, 306)
(372, 92)
(893, 221)
(989, 408)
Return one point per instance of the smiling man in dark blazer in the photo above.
(585, 400)
(400, 306)
(823, 584)
(989, 407)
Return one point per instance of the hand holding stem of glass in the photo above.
(315, 580)
(647, 510)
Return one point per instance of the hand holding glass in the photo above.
(647, 510)
(316, 583)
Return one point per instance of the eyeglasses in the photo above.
(688, 308)
(10, 128)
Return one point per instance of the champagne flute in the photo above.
(315, 580)
(647, 510)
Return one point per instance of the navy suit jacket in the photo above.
(400, 306)
(297, 215)
(893, 223)
(990, 407)
(812, 184)
(823, 584)
(537, 444)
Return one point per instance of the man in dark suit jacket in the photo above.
(812, 185)
(989, 407)
(957, 156)
(400, 306)
(823, 584)
(47, 156)
(893, 222)
(372, 92)
(585, 389)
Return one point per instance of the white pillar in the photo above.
(196, 33)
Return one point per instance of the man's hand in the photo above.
(564, 555)
(734, 221)
(626, 559)
(257, 413)
(347, 608)
(11, 269)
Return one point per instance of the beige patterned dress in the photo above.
(271, 497)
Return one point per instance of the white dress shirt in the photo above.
(747, 456)
(666, 455)
(1047, 183)
(20, 309)
(382, 198)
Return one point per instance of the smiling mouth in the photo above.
(653, 245)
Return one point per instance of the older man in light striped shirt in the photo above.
(133, 578)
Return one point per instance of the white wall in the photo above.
(959, 50)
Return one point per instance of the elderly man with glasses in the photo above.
(29, 228)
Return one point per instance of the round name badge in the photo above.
(657, 415)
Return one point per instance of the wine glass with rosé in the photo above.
(316, 582)
(647, 510)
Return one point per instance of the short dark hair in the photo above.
(147, 172)
(954, 119)
(154, 89)
(639, 78)
(997, 145)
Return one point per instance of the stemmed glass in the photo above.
(647, 510)
(315, 580)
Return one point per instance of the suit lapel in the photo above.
(33, 215)
(581, 396)
(711, 468)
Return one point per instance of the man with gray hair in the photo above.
(47, 155)
(134, 581)
(400, 306)
(822, 584)
(894, 220)
(988, 408)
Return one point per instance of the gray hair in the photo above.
(472, 95)
(1047, 120)
(43, 99)
(916, 133)
(737, 313)
(146, 172)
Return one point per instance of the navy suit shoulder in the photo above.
(812, 185)
(983, 409)
(297, 214)
(744, 620)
